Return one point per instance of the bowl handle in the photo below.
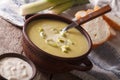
(85, 65)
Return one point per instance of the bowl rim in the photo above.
(20, 56)
(36, 17)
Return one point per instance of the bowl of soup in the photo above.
(53, 50)
(14, 66)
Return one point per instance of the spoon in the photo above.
(88, 17)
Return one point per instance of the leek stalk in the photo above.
(58, 9)
(39, 6)
(81, 1)
(61, 7)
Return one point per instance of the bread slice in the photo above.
(112, 20)
(80, 14)
(98, 28)
(89, 11)
(113, 33)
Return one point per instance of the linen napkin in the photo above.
(9, 10)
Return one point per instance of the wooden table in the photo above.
(11, 41)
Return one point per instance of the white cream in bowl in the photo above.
(13, 68)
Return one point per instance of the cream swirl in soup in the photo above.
(15, 69)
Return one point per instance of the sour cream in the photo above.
(15, 69)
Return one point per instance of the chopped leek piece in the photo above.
(61, 40)
(65, 48)
(43, 35)
(63, 33)
(40, 29)
(51, 43)
(55, 30)
(69, 42)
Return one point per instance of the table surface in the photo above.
(11, 41)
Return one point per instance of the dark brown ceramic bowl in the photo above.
(49, 63)
(20, 57)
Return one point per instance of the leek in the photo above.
(81, 1)
(39, 6)
(61, 7)
(58, 9)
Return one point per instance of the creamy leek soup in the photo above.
(47, 35)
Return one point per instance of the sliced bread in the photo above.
(98, 28)
(112, 20)
(80, 14)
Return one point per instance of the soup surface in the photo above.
(47, 35)
(15, 69)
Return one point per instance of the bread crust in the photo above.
(111, 23)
